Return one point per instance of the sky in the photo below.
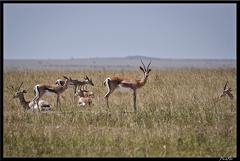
(94, 30)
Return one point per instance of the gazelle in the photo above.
(44, 105)
(227, 92)
(41, 89)
(75, 83)
(84, 93)
(126, 84)
(83, 100)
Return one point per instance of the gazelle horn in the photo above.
(149, 64)
(20, 86)
(143, 65)
(225, 85)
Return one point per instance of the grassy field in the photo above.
(180, 114)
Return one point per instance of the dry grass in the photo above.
(180, 114)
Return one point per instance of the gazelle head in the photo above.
(227, 92)
(19, 93)
(88, 81)
(145, 71)
(68, 80)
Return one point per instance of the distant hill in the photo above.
(139, 57)
(126, 63)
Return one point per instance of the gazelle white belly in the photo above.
(123, 89)
(82, 104)
(48, 93)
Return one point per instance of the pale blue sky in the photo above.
(64, 31)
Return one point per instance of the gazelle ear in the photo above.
(24, 91)
(141, 68)
(65, 77)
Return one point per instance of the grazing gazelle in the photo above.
(126, 84)
(41, 89)
(75, 83)
(227, 92)
(44, 105)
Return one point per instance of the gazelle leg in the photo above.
(58, 102)
(74, 92)
(36, 94)
(63, 98)
(39, 108)
(108, 93)
(106, 102)
(36, 98)
(134, 101)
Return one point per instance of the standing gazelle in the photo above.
(41, 89)
(126, 84)
(75, 83)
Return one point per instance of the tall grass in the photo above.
(180, 114)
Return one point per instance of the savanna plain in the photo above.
(180, 114)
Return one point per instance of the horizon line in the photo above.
(126, 57)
